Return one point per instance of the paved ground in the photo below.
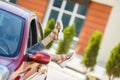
(57, 73)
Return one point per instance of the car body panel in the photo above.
(14, 62)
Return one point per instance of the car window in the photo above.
(35, 33)
(11, 30)
(32, 39)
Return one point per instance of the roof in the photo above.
(16, 9)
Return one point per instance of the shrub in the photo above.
(64, 45)
(91, 51)
(113, 63)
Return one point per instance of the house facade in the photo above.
(103, 15)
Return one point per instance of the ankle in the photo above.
(54, 34)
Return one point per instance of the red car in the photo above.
(19, 30)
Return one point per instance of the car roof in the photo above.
(16, 9)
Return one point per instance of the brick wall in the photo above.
(37, 6)
(96, 19)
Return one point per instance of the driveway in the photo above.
(57, 73)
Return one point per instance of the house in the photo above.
(103, 15)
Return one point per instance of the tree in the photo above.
(113, 63)
(50, 26)
(91, 51)
(64, 45)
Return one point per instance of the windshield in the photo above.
(11, 29)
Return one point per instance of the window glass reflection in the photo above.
(57, 3)
(54, 14)
(69, 6)
(79, 23)
(82, 10)
(65, 19)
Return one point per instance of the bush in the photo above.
(113, 63)
(91, 51)
(50, 26)
(64, 45)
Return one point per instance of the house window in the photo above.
(57, 3)
(79, 23)
(69, 6)
(53, 14)
(13, 1)
(82, 10)
(68, 12)
(66, 19)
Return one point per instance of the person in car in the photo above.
(41, 45)
(33, 66)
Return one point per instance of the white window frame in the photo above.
(61, 11)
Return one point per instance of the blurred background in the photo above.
(88, 16)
